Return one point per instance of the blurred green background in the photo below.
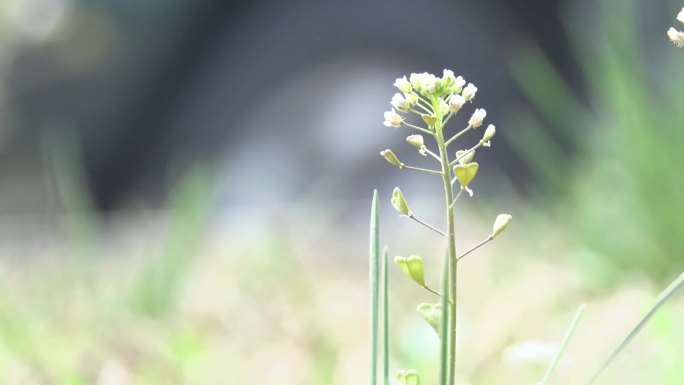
(156, 232)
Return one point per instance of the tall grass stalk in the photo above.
(662, 298)
(564, 345)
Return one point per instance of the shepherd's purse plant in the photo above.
(431, 102)
(424, 105)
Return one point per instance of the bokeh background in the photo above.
(186, 184)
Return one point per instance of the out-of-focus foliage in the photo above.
(621, 197)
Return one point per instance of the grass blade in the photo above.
(385, 317)
(662, 298)
(561, 351)
(374, 257)
(444, 349)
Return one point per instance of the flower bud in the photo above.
(400, 103)
(391, 158)
(429, 120)
(399, 203)
(469, 92)
(442, 108)
(429, 83)
(680, 16)
(403, 85)
(465, 173)
(458, 85)
(432, 314)
(411, 98)
(677, 37)
(401, 377)
(500, 224)
(416, 83)
(465, 157)
(477, 118)
(416, 141)
(456, 101)
(412, 267)
(489, 133)
(448, 78)
(392, 119)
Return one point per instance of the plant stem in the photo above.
(453, 284)
(438, 231)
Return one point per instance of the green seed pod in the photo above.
(464, 159)
(416, 141)
(500, 224)
(399, 203)
(412, 377)
(489, 133)
(412, 267)
(401, 377)
(391, 158)
(465, 173)
(432, 314)
(429, 120)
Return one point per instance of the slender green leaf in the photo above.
(564, 345)
(662, 298)
(374, 257)
(385, 317)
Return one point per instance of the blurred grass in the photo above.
(191, 304)
(621, 198)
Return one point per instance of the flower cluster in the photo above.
(436, 100)
(431, 97)
(675, 35)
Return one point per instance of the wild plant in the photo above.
(426, 104)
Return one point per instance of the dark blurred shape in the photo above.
(155, 87)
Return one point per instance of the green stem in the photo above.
(453, 284)
(463, 131)
(421, 129)
(434, 172)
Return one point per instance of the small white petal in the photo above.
(677, 37)
(469, 92)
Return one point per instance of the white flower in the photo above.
(458, 85)
(469, 92)
(677, 37)
(403, 85)
(456, 102)
(429, 82)
(424, 83)
(411, 98)
(392, 119)
(416, 81)
(680, 16)
(448, 77)
(442, 108)
(400, 103)
(477, 118)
